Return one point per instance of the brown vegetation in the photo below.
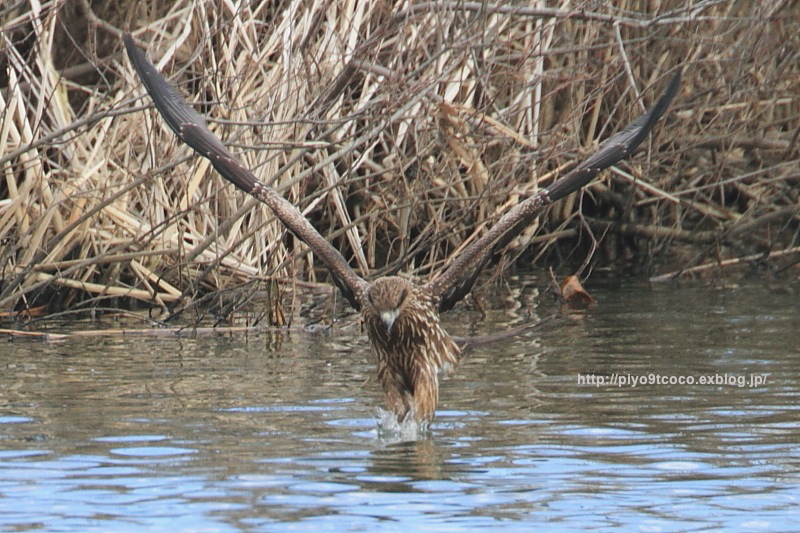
(400, 129)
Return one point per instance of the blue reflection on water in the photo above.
(221, 434)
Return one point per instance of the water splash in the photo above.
(392, 431)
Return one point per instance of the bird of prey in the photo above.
(400, 316)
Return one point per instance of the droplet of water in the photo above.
(392, 431)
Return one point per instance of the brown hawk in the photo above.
(401, 316)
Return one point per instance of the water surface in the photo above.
(278, 432)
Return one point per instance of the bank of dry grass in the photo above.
(400, 129)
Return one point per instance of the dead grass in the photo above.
(400, 129)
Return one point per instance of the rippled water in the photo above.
(278, 432)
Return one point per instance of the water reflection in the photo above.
(279, 432)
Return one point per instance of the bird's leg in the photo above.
(426, 395)
(395, 390)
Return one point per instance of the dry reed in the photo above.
(400, 129)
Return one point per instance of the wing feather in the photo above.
(457, 280)
(191, 129)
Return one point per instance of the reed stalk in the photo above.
(401, 130)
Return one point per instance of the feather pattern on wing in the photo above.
(191, 129)
(456, 281)
(400, 316)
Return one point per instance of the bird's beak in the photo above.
(388, 318)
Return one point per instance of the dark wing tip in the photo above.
(127, 38)
(635, 133)
(191, 129)
(168, 101)
(457, 280)
(617, 147)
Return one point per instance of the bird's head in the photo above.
(388, 297)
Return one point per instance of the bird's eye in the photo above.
(403, 296)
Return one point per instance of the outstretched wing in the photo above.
(456, 281)
(191, 129)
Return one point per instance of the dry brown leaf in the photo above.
(574, 295)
